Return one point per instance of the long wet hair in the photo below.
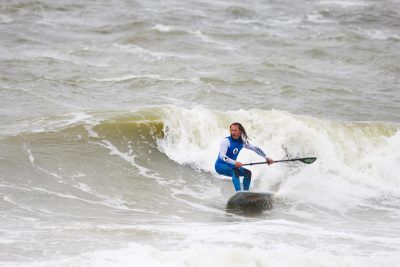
(241, 128)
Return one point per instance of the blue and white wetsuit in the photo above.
(225, 164)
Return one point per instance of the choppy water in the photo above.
(111, 113)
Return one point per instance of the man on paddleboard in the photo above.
(230, 147)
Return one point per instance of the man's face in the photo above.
(235, 132)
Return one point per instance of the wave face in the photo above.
(146, 178)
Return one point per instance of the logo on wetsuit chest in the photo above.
(235, 151)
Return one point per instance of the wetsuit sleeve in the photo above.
(223, 148)
(255, 149)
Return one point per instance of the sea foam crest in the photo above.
(356, 162)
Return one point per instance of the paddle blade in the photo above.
(308, 160)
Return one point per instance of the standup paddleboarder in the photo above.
(230, 147)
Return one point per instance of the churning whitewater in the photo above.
(112, 113)
(144, 179)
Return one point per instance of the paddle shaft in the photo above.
(282, 160)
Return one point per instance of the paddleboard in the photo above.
(250, 201)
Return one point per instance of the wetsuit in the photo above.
(225, 164)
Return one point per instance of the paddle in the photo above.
(304, 160)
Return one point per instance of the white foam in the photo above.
(319, 18)
(55, 123)
(162, 28)
(130, 158)
(55, 175)
(144, 76)
(30, 155)
(203, 255)
(50, 99)
(376, 34)
(90, 131)
(150, 56)
(78, 175)
(84, 187)
(113, 203)
(344, 3)
(206, 39)
(178, 195)
(61, 56)
(104, 200)
(356, 161)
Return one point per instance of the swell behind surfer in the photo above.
(230, 147)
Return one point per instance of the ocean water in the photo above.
(111, 115)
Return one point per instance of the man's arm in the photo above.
(255, 149)
(223, 148)
(258, 151)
